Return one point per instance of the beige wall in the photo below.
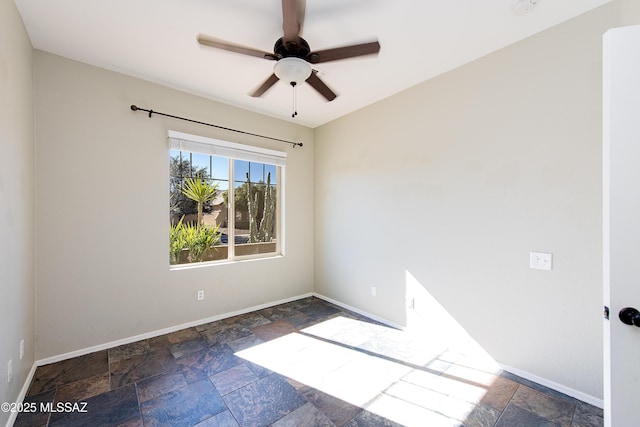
(102, 216)
(456, 180)
(17, 241)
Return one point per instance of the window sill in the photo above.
(248, 258)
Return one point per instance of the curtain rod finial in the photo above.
(134, 108)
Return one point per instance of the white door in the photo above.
(621, 224)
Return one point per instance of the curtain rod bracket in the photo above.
(294, 144)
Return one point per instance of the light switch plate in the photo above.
(540, 260)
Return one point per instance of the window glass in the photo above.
(255, 211)
(240, 170)
(205, 225)
(201, 164)
(220, 168)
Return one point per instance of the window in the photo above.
(224, 200)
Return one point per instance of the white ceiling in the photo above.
(156, 40)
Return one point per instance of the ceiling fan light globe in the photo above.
(292, 70)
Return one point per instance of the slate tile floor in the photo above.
(304, 363)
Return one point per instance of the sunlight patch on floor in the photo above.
(349, 375)
(400, 376)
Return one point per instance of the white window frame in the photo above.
(233, 151)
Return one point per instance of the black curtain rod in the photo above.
(135, 108)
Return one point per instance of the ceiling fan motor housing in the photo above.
(299, 49)
(292, 66)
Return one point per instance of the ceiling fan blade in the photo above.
(344, 52)
(302, 6)
(265, 86)
(292, 19)
(232, 47)
(322, 88)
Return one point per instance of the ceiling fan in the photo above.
(292, 53)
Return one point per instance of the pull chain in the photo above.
(295, 106)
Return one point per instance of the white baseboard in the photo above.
(362, 312)
(23, 393)
(164, 331)
(591, 400)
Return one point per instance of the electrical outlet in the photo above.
(411, 303)
(200, 294)
(21, 349)
(373, 291)
(9, 370)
